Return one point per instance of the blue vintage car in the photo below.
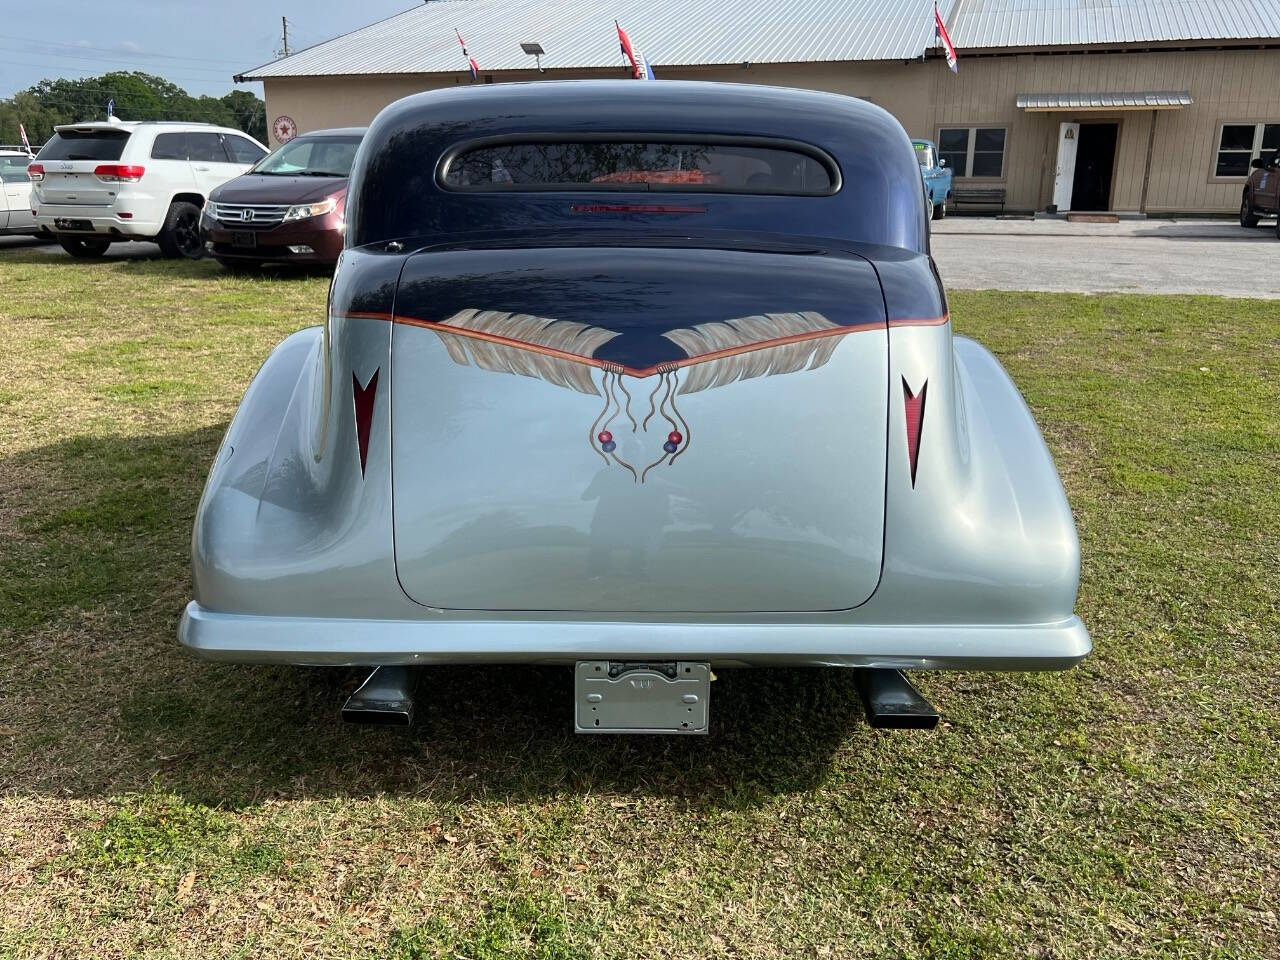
(938, 177)
(644, 379)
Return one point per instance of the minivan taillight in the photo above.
(35, 171)
(119, 172)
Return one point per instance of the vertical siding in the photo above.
(1227, 85)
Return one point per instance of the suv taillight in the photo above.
(119, 172)
(35, 171)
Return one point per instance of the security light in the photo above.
(534, 50)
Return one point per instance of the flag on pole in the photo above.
(471, 61)
(640, 68)
(26, 144)
(944, 39)
(111, 108)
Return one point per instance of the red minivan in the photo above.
(288, 208)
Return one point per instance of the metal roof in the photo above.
(580, 34)
(980, 24)
(1146, 100)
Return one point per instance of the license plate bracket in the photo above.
(626, 696)
(70, 223)
(245, 239)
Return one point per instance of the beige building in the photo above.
(1131, 106)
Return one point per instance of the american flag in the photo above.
(471, 61)
(26, 144)
(640, 68)
(944, 39)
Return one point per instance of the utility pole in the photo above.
(284, 34)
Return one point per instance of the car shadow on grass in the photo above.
(93, 583)
(152, 262)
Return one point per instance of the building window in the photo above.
(1239, 143)
(973, 151)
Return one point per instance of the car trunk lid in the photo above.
(656, 429)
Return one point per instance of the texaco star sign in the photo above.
(284, 128)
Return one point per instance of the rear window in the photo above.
(170, 146)
(90, 145)
(14, 169)
(630, 166)
(243, 150)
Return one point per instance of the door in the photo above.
(1267, 195)
(1095, 158)
(169, 153)
(1064, 176)
(17, 194)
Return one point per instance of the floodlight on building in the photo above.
(534, 50)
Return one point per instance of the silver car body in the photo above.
(404, 489)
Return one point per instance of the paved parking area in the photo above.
(1136, 256)
(983, 253)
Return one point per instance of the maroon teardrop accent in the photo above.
(364, 397)
(913, 407)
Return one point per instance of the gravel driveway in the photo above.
(983, 253)
(1136, 256)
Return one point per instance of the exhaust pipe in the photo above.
(384, 699)
(892, 703)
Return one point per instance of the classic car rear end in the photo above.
(607, 382)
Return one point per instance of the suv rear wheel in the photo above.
(85, 248)
(180, 236)
(1248, 216)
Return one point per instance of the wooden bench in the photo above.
(979, 195)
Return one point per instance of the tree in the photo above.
(250, 113)
(137, 96)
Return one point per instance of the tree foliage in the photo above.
(138, 96)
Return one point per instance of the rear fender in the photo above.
(293, 517)
(985, 534)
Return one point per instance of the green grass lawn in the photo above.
(152, 805)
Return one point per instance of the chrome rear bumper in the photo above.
(306, 641)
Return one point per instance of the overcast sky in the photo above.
(197, 45)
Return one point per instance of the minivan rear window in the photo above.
(87, 145)
(632, 165)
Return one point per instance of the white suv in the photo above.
(95, 183)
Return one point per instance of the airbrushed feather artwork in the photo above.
(561, 352)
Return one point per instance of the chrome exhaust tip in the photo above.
(384, 699)
(892, 703)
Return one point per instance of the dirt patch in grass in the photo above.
(155, 806)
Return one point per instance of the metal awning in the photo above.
(1141, 100)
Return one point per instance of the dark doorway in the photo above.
(1095, 156)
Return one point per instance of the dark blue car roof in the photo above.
(396, 193)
